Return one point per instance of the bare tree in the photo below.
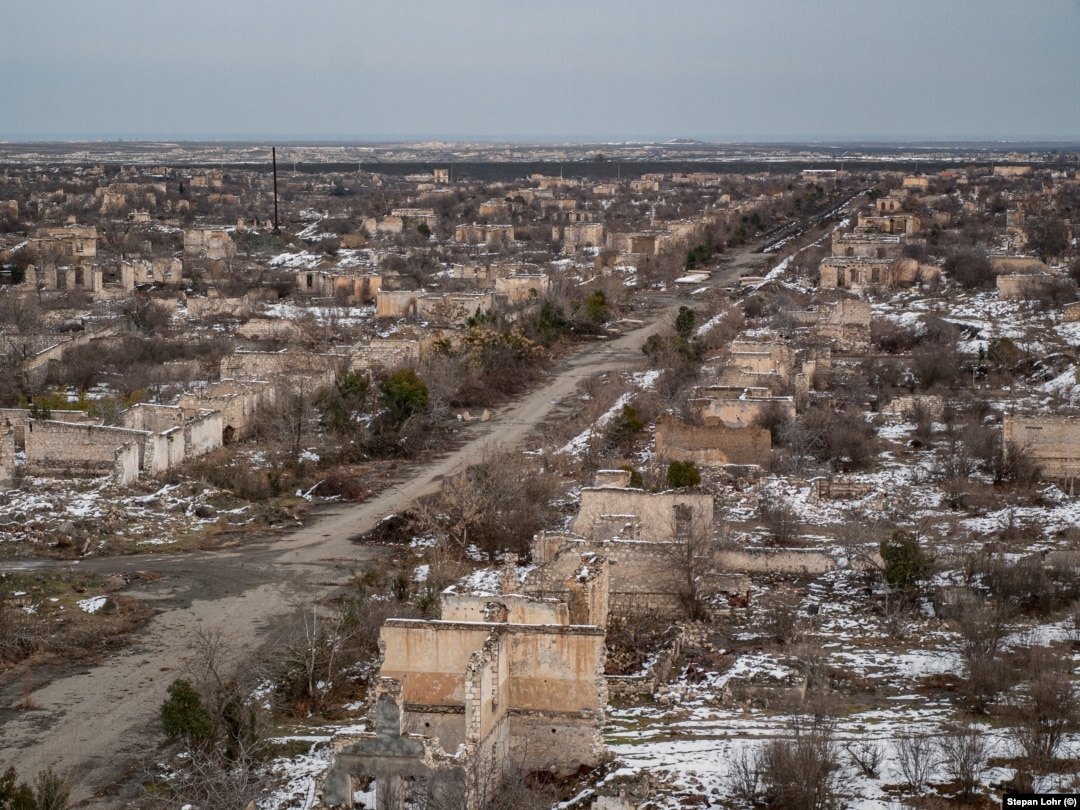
(691, 558)
(916, 754)
(964, 751)
(1046, 710)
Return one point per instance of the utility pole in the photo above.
(273, 153)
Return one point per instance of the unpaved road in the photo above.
(95, 724)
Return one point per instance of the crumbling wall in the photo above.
(512, 608)
(557, 697)
(775, 561)
(712, 444)
(1053, 441)
(58, 447)
(20, 421)
(607, 512)
(908, 406)
(316, 369)
(384, 354)
(641, 575)
(237, 401)
(429, 659)
(202, 433)
(7, 453)
(154, 418)
(740, 412)
(1018, 287)
(521, 288)
(125, 469)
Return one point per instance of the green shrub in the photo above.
(683, 474)
(906, 564)
(183, 715)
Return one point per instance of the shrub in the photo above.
(183, 715)
(683, 474)
(905, 563)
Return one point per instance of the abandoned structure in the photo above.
(712, 445)
(1052, 441)
(499, 682)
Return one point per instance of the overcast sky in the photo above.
(541, 69)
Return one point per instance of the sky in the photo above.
(528, 70)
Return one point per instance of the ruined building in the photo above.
(500, 682)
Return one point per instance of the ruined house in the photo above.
(500, 681)
(208, 243)
(523, 288)
(238, 402)
(574, 235)
(71, 244)
(449, 309)
(350, 287)
(737, 408)
(153, 439)
(847, 272)
(492, 236)
(846, 324)
(866, 244)
(616, 511)
(712, 445)
(384, 353)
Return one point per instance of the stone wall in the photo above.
(799, 562)
(739, 412)
(607, 512)
(208, 243)
(512, 608)
(641, 575)
(712, 444)
(1053, 441)
(317, 369)
(460, 679)
(386, 354)
(237, 401)
(125, 470)
(7, 454)
(1021, 286)
(217, 307)
(522, 288)
(57, 447)
(907, 407)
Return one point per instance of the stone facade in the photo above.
(574, 235)
(70, 244)
(710, 445)
(608, 512)
(339, 285)
(737, 411)
(1022, 286)
(520, 289)
(496, 693)
(843, 272)
(1053, 441)
(492, 236)
(208, 243)
(385, 354)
